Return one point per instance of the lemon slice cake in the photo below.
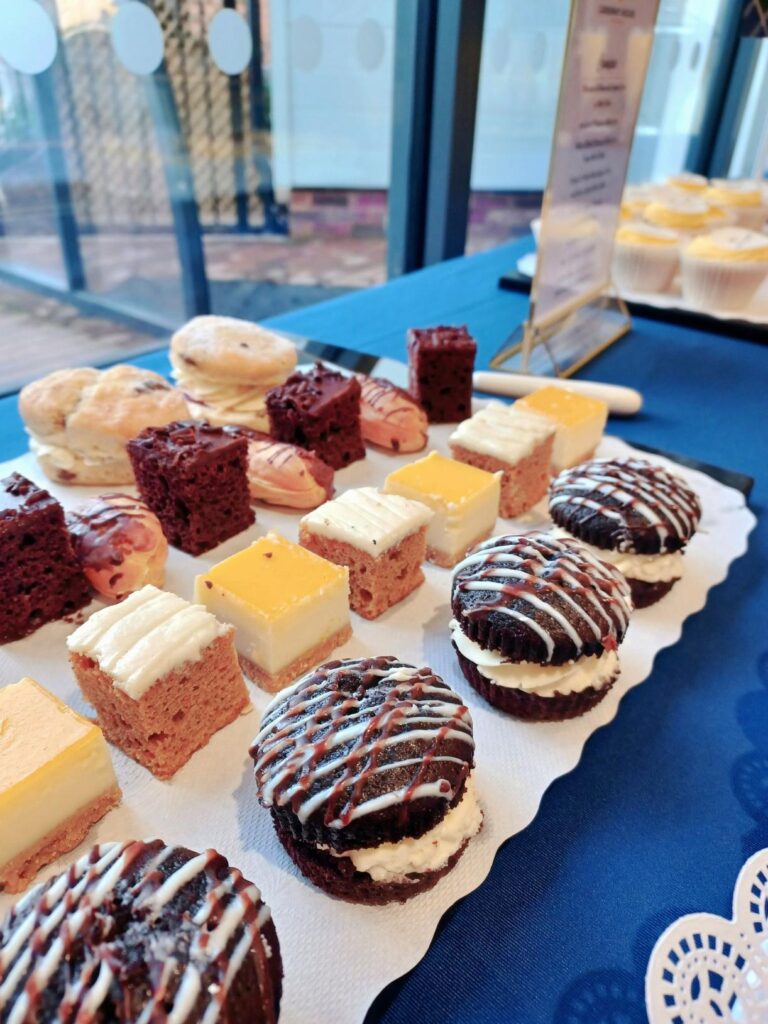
(56, 781)
(464, 499)
(289, 607)
(580, 422)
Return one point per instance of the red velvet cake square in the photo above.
(40, 578)
(194, 478)
(319, 410)
(440, 365)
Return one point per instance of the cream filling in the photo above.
(541, 680)
(144, 637)
(223, 402)
(645, 568)
(73, 458)
(368, 520)
(392, 862)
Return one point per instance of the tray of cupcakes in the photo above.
(691, 245)
(329, 639)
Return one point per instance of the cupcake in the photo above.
(635, 198)
(688, 215)
(141, 931)
(365, 766)
(537, 623)
(645, 258)
(635, 515)
(724, 269)
(744, 201)
(695, 184)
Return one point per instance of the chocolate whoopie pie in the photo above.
(365, 765)
(537, 623)
(635, 515)
(141, 931)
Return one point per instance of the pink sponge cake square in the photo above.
(381, 538)
(501, 438)
(162, 674)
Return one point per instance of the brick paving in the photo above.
(333, 246)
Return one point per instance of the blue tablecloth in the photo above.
(670, 798)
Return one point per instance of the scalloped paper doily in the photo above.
(706, 969)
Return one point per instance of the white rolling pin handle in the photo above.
(622, 401)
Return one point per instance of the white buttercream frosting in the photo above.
(392, 862)
(646, 568)
(543, 680)
(222, 402)
(503, 431)
(367, 519)
(141, 639)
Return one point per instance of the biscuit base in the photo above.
(375, 584)
(645, 594)
(337, 875)
(177, 715)
(446, 560)
(530, 706)
(16, 875)
(523, 483)
(272, 682)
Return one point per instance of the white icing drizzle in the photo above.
(44, 925)
(539, 571)
(368, 520)
(314, 730)
(633, 487)
(144, 637)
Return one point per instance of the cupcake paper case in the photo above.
(724, 269)
(645, 258)
(631, 513)
(537, 623)
(365, 766)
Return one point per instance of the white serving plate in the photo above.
(754, 313)
(338, 957)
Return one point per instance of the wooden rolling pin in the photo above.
(620, 400)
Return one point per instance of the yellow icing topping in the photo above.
(39, 736)
(669, 215)
(689, 182)
(273, 574)
(642, 234)
(441, 479)
(734, 196)
(737, 245)
(565, 407)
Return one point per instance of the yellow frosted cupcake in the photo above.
(743, 200)
(724, 269)
(688, 215)
(635, 198)
(689, 182)
(645, 257)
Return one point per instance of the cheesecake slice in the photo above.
(289, 607)
(464, 499)
(578, 419)
(56, 781)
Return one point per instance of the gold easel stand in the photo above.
(564, 346)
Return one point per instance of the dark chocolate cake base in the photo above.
(646, 594)
(529, 706)
(338, 877)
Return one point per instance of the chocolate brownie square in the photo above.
(440, 365)
(194, 478)
(40, 579)
(319, 410)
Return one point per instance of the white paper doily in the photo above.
(212, 802)
(706, 970)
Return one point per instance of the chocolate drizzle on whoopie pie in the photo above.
(363, 751)
(141, 931)
(625, 505)
(537, 599)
